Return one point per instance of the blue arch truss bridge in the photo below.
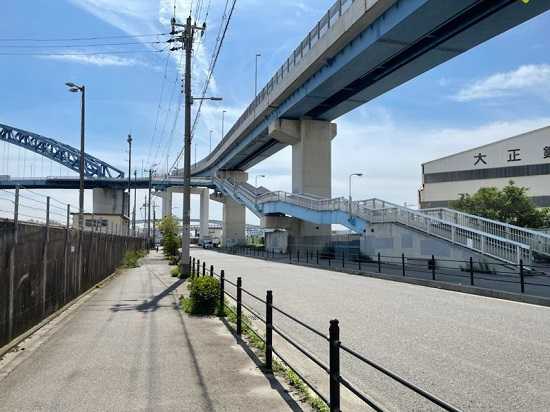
(61, 153)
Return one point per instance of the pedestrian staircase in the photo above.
(505, 242)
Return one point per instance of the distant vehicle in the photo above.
(210, 243)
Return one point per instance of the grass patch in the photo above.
(132, 257)
(279, 369)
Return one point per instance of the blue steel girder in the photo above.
(59, 152)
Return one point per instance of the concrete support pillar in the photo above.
(167, 203)
(311, 162)
(108, 201)
(234, 219)
(205, 217)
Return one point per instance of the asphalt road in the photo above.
(477, 353)
(128, 348)
(501, 277)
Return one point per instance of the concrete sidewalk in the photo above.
(127, 347)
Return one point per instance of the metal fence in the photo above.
(530, 279)
(43, 266)
(336, 348)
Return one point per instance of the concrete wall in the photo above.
(276, 241)
(390, 239)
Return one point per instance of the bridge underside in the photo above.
(410, 38)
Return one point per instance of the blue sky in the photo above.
(491, 92)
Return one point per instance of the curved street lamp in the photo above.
(75, 88)
(349, 192)
(256, 179)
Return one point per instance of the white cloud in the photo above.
(131, 16)
(96, 60)
(530, 78)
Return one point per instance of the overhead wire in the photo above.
(44, 46)
(81, 54)
(216, 52)
(163, 84)
(41, 39)
(168, 112)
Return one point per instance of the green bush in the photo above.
(175, 272)
(131, 258)
(171, 243)
(170, 239)
(204, 296)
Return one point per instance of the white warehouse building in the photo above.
(525, 159)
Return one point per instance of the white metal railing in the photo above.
(538, 241)
(458, 231)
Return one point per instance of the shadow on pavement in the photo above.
(273, 381)
(149, 305)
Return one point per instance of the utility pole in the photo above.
(186, 39)
(149, 209)
(154, 225)
(134, 211)
(129, 174)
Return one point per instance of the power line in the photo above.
(33, 46)
(84, 38)
(83, 54)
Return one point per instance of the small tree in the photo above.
(510, 205)
(170, 239)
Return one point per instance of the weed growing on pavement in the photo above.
(279, 369)
(175, 272)
(131, 258)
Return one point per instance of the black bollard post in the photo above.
(334, 364)
(239, 308)
(269, 331)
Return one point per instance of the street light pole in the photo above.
(149, 208)
(256, 179)
(129, 174)
(349, 192)
(223, 122)
(82, 154)
(256, 76)
(74, 88)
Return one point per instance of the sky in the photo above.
(496, 90)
